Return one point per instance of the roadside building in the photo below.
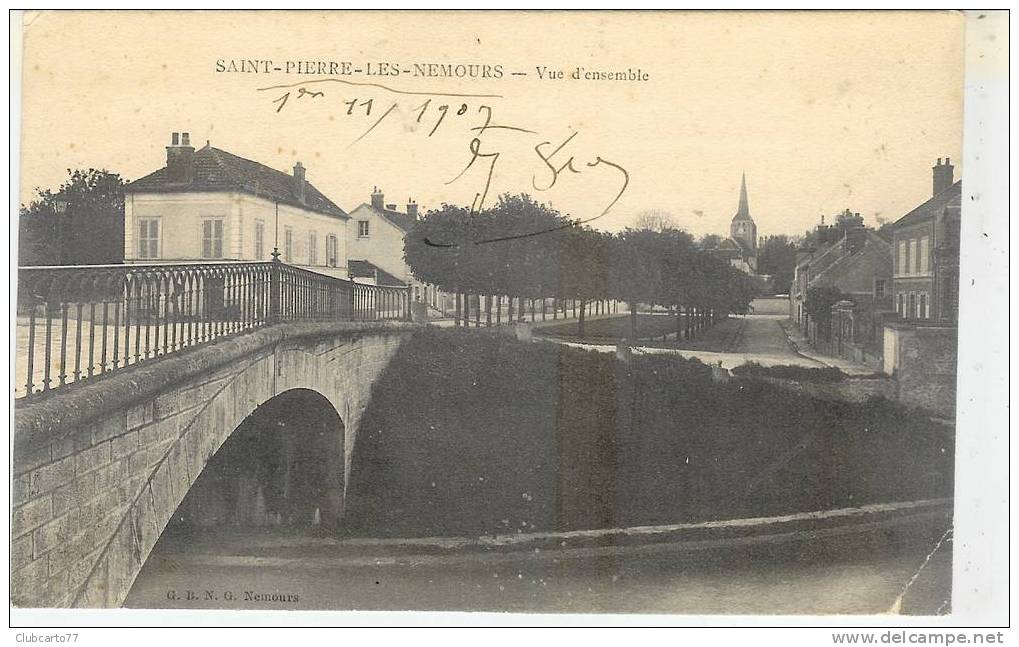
(926, 240)
(856, 264)
(211, 205)
(376, 236)
(920, 347)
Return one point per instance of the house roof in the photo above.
(366, 269)
(218, 170)
(730, 244)
(401, 220)
(844, 262)
(932, 207)
(822, 258)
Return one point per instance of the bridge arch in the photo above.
(282, 466)
(93, 496)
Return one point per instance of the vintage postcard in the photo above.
(538, 312)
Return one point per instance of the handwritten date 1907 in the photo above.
(552, 159)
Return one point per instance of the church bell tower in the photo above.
(743, 228)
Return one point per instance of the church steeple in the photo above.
(743, 229)
(743, 211)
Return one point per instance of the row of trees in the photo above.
(526, 250)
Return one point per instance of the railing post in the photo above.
(275, 286)
(407, 311)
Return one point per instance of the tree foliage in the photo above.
(521, 248)
(818, 305)
(655, 220)
(777, 257)
(710, 241)
(89, 231)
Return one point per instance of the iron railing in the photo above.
(80, 322)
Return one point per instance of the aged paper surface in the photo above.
(504, 311)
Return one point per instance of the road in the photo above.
(860, 572)
(736, 341)
(731, 343)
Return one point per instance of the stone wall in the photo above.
(923, 360)
(100, 469)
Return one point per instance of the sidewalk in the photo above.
(801, 346)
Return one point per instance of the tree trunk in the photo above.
(456, 315)
(520, 309)
(544, 309)
(580, 321)
(488, 310)
(477, 312)
(633, 322)
(679, 323)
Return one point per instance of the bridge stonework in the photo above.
(99, 470)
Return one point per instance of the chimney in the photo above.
(412, 209)
(299, 181)
(180, 158)
(943, 175)
(377, 199)
(391, 207)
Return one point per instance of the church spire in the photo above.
(743, 212)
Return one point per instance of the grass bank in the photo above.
(648, 327)
(473, 432)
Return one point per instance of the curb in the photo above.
(706, 535)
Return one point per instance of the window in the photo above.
(914, 258)
(288, 244)
(212, 238)
(922, 308)
(312, 248)
(331, 250)
(879, 288)
(900, 305)
(912, 305)
(902, 257)
(148, 238)
(924, 262)
(259, 240)
(362, 228)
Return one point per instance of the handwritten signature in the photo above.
(553, 160)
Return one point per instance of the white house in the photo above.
(375, 240)
(212, 205)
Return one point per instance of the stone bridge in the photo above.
(100, 469)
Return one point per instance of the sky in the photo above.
(823, 111)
